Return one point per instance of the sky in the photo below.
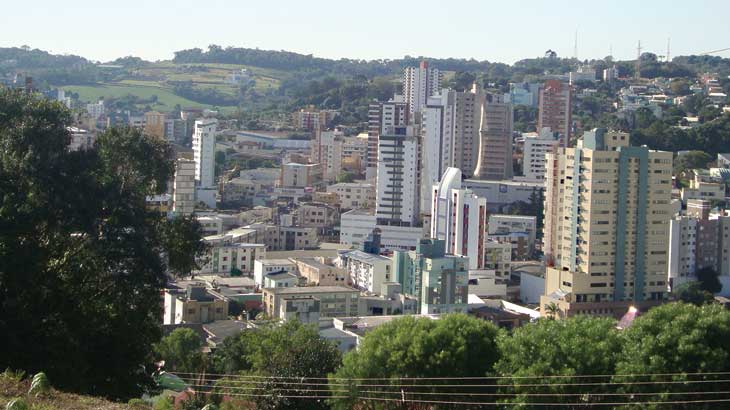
(501, 31)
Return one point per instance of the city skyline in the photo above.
(325, 29)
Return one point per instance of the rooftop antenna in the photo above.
(637, 74)
(669, 59)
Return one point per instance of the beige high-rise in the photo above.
(607, 212)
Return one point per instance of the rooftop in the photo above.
(303, 290)
(266, 262)
(364, 256)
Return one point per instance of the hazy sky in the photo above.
(505, 30)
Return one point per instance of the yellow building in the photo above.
(607, 212)
(155, 124)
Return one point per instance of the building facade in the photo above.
(398, 178)
(419, 83)
(555, 110)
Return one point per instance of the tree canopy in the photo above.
(181, 351)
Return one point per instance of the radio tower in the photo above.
(575, 46)
(669, 58)
(637, 74)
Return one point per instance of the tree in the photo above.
(691, 160)
(679, 86)
(669, 344)
(708, 279)
(276, 355)
(454, 346)
(691, 292)
(80, 264)
(570, 347)
(345, 177)
(182, 237)
(181, 351)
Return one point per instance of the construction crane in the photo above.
(714, 51)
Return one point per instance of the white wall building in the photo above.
(227, 258)
(437, 136)
(367, 271)
(357, 224)
(204, 151)
(459, 218)
(397, 199)
(327, 151)
(354, 195)
(419, 83)
(535, 148)
(263, 267)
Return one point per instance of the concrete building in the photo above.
(459, 218)
(354, 195)
(501, 195)
(498, 259)
(155, 124)
(419, 83)
(523, 94)
(327, 152)
(317, 214)
(318, 273)
(438, 280)
(517, 230)
(704, 185)
(607, 212)
(295, 175)
(397, 198)
(311, 119)
(231, 258)
(280, 280)
(183, 187)
(555, 110)
(495, 139)
(81, 139)
(193, 305)
(334, 301)
(382, 116)
(535, 148)
(367, 272)
(204, 156)
(263, 267)
(96, 110)
(358, 224)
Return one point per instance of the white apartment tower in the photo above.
(437, 139)
(535, 148)
(419, 83)
(459, 218)
(381, 116)
(398, 188)
(204, 152)
(607, 212)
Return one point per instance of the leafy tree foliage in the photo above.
(181, 351)
(708, 279)
(577, 346)
(692, 292)
(80, 265)
(679, 339)
(181, 237)
(454, 346)
(691, 160)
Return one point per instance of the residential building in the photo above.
(459, 218)
(280, 280)
(176, 130)
(607, 212)
(466, 126)
(367, 272)
(210, 224)
(80, 139)
(382, 116)
(183, 189)
(495, 139)
(317, 214)
(535, 148)
(704, 185)
(610, 74)
(397, 198)
(501, 195)
(318, 273)
(295, 175)
(334, 301)
(204, 156)
(311, 119)
(357, 225)
(193, 305)
(354, 195)
(498, 259)
(582, 73)
(438, 280)
(96, 110)
(327, 152)
(437, 137)
(517, 230)
(155, 124)
(555, 110)
(523, 94)
(234, 259)
(419, 83)
(263, 267)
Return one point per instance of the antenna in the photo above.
(610, 50)
(669, 59)
(575, 45)
(637, 74)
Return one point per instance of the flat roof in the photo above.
(364, 256)
(271, 261)
(312, 289)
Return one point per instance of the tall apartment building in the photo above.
(155, 124)
(380, 117)
(397, 195)
(311, 119)
(494, 159)
(183, 187)
(698, 240)
(204, 156)
(437, 137)
(327, 152)
(607, 212)
(533, 153)
(459, 218)
(467, 116)
(438, 280)
(555, 109)
(419, 83)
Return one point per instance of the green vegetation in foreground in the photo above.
(166, 100)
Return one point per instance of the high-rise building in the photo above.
(495, 139)
(204, 156)
(437, 138)
(419, 83)
(467, 116)
(459, 218)
(438, 280)
(554, 110)
(183, 191)
(381, 116)
(155, 124)
(327, 151)
(607, 212)
(398, 184)
(204, 151)
(533, 153)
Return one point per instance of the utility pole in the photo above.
(637, 74)
(575, 45)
